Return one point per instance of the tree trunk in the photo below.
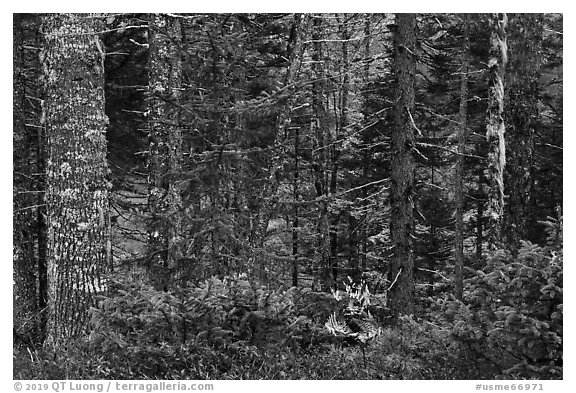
(366, 154)
(320, 157)
(459, 181)
(403, 168)
(352, 223)
(294, 56)
(522, 119)
(495, 128)
(165, 161)
(77, 185)
(295, 222)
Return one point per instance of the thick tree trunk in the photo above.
(165, 161)
(403, 168)
(495, 128)
(77, 185)
(459, 180)
(522, 118)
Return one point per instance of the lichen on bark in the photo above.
(495, 127)
(77, 170)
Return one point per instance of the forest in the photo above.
(287, 196)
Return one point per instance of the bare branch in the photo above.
(395, 279)
(413, 123)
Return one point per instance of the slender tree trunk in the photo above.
(495, 128)
(24, 261)
(296, 198)
(165, 162)
(366, 157)
(459, 181)
(295, 56)
(320, 160)
(431, 257)
(352, 223)
(403, 168)
(77, 185)
(341, 114)
(526, 32)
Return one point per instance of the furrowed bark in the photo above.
(77, 186)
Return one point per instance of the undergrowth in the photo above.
(508, 325)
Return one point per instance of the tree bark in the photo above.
(165, 160)
(403, 168)
(77, 185)
(495, 128)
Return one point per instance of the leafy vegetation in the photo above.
(510, 319)
(509, 325)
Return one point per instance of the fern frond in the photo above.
(338, 328)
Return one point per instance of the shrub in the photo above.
(220, 323)
(510, 320)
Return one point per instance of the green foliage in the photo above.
(511, 316)
(414, 349)
(223, 321)
(230, 329)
